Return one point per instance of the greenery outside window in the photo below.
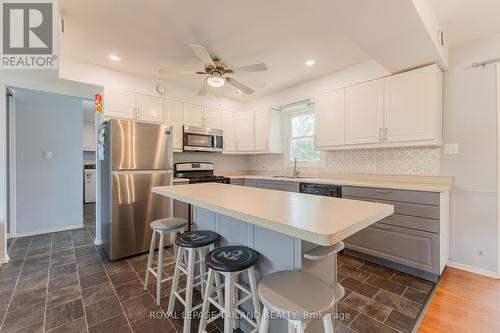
(301, 138)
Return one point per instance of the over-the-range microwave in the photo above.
(202, 139)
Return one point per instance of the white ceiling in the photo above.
(467, 20)
(152, 34)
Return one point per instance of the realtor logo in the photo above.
(29, 34)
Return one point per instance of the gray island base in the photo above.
(290, 231)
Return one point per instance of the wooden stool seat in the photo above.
(231, 258)
(197, 238)
(168, 224)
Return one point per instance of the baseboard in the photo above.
(46, 231)
(473, 269)
(4, 260)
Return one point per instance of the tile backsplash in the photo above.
(422, 161)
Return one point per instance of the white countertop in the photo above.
(389, 184)
(317, 219)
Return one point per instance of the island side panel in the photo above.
(276, 251)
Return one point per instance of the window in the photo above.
(301, 139)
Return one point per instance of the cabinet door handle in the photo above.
(380, 134)
(383, 191)
(385, 134)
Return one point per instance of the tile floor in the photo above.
(61, 282)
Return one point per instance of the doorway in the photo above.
(46, 171)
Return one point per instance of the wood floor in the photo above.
(464, 302)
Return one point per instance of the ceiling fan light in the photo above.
(216, 81)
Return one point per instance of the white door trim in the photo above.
(498, 169)
(12, 167)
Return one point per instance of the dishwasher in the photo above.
(321, 189)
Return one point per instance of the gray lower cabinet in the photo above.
(278, 185)
(410, 237)
(405, 246)
(238, 181)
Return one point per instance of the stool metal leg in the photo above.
(228, 304)
(159, 264)
(189, 291)
(150, 259)
(206, 303)
(327, 324)
(175, 282)
(264, 321)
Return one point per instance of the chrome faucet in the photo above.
(295, 168)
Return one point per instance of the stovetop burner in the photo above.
(199, 172)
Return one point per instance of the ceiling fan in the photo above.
(217, 72)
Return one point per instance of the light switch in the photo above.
(47, 155)
(450, 148)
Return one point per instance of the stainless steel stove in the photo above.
(199, 172)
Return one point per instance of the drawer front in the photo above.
(251, 182)
(413, 248)
(417, 197)
(412, 222)
(406, 208)
(238, 181)
(278, 185)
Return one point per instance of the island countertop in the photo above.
(316, 219)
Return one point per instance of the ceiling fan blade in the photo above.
(258, 84)
(203, 90)
(171, 71)
(202, 54)
(250, 68)
(240, 86)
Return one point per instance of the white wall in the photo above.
(48, 192)
(470, 120)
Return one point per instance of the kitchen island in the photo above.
(288, 230)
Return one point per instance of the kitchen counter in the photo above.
(319, 220)
(438, 184)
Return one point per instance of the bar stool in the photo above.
(297, 297)
(191, 244)
(161, 227)
(230, 261)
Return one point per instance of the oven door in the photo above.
(202, 139)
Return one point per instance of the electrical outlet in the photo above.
(263, 166)
(451, 148)
(47, 155)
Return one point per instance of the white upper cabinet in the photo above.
(244, 132)
(150, 108)
(267, 131)
(89, 137)
(213, 118)
(193, 115)
(119, 104)
(413, 106)
(329, 119)
(364, 114)
(173, 117)
(229, 130)
(401, 110)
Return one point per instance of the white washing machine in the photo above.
(89, 179)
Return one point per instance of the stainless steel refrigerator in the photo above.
(135, 156)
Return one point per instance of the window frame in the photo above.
(321, 163)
